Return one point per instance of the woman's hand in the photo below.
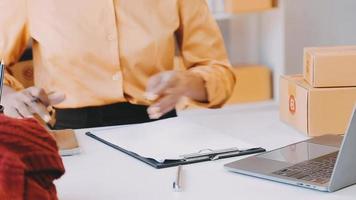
(30, 101)
(167, 88)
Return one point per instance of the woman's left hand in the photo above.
(167, 88)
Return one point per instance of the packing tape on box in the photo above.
(308, 63)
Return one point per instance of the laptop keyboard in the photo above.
(317, 170)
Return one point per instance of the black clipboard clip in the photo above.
(219, 154)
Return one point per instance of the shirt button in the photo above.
(111, 37)
(116, 76)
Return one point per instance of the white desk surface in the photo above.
(103, 173)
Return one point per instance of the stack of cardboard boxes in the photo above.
(321, 100)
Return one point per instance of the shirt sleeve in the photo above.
(203, 52)
(14, 35)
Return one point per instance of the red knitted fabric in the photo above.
(29, 161)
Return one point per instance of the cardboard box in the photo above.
(241, 6)
(315, 111)
(330, 66)
(66, 141)
(253, 83)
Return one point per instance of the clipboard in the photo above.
(202, 156)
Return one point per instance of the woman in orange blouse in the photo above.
(111, 62)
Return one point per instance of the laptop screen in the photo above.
(299, 152)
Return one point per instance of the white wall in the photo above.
(272, 44)
(244, 41)
(276, 38)
(316, 23)
(241, 34)
(256, 38)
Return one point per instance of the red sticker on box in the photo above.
(292, 104)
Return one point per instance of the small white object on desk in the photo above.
(177, 184)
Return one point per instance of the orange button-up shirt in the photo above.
(101, 52)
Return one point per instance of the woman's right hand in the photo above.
(30, 101)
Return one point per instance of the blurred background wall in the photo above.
(275, 36)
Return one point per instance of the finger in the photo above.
(26, 98)
(158, 112)
(163, 106)
(150, 96)
(160, 83)
(40, 94)
(154, 112)
(11, 112)
(32, 106)
(41, 121)
(56, 97)
(41, 110)
(159, 106)
(153, 82)
(168, 105)
(23, 110)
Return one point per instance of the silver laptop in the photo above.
(325, 163)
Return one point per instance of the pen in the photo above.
(2, 68)
(178, 180)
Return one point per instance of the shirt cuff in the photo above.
(219, 84)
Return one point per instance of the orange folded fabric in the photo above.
(29, 161)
